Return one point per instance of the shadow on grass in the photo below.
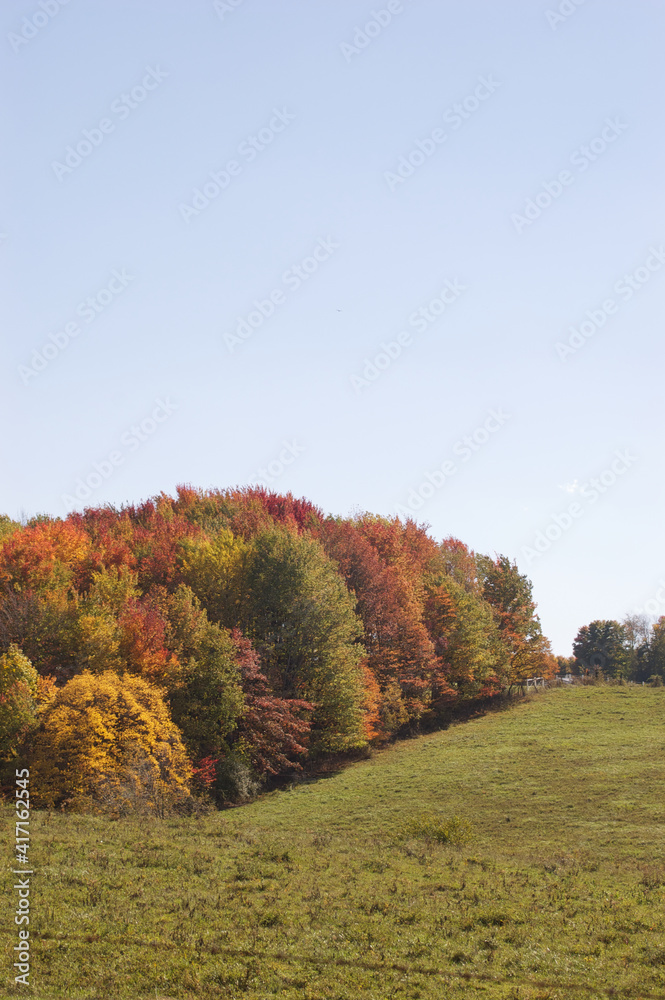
(329, 767)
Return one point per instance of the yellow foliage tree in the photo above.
(19, 683)
(98, 641)
(215, 569)
(107, 743)
(112, 587)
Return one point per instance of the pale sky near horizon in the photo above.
(399, 257)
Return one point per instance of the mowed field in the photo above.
(337, 888)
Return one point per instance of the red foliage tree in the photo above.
(204, 772)
(247, 511)
(440, 615)
(143, 537)
(405, 546)
(272, 728)
(142, 645)
(395, 637)
(43, 556)
(111, 536)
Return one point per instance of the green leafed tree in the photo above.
(283, 592)
(637, 643)
(600, 647)
(7, 526)
(18, 700)
(651, 654)
(467, 639)
(203, 681)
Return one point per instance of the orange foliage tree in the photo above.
(508, 592)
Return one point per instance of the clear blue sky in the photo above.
(307, 124)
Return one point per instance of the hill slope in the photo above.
(329, 890)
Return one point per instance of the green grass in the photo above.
(518, 855)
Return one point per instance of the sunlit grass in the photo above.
(519, 855)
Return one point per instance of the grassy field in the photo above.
(339, 888)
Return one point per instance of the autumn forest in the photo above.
(191, 648)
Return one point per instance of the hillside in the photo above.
(329, 890)
(225, 637)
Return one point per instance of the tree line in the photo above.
(633, 649)
(193, 646)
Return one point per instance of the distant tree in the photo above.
(651, 663)
(372, 705)
(406, 546)
(637, 644)
(599, 646)
(98, 633)
(112, 587)
(158, 531)
(236, 728)
(111, 535)
(118, 630)
(566, 665)
(186, 620)
(142, 638)
(143, 538)
(98, 642)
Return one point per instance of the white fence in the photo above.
(533, 683)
